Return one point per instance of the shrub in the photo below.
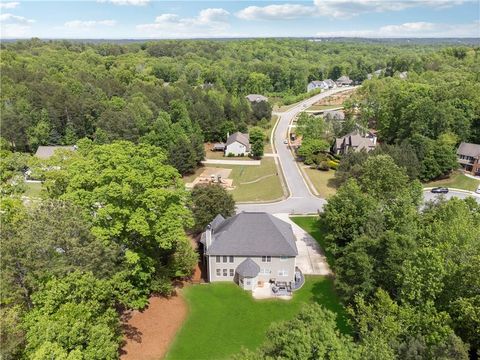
(332, 164)
(323, 166)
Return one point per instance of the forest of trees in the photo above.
(110, 227)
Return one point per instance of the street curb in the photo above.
(457, 190)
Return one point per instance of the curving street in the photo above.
(300, 199)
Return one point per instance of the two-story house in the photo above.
(468, 156)
(250, 249)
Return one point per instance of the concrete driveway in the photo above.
(311, 259)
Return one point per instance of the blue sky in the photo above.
(143, 19)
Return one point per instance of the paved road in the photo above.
(301, 200)
(428, 196)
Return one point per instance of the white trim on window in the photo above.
(225, 272)
(232, 272)
(230, 259)
(217, 259)
(266, 259)
(282, 273)
(225, 258)
(283, 258)
(219, 273)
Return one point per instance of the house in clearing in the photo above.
(334, 115)
(256, 98)
(316, 84)
(468, 156)
(344, 81)
(238, 144)
(46, 152)
(252, 249)
(355, 142)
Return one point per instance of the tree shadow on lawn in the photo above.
(325, 295)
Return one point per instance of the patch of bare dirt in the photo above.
(336, 99)
(149, 333)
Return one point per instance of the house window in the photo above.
(232, 273)
(266, 259)
(225, 272)
(265, 271)
(231, 259)
(225, 258)
(218, 272)
(282, 273)
(217, 259)
(283, 258)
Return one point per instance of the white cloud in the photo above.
(274, 12)
(414, 29)
(9, 5)
(126, 2)
(10, 18)
(88, 24)
(14, 26)
(207, 23)
(337, 8)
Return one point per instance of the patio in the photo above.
(279, 290)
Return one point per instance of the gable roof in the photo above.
(46, 152)
(241, 138)
(256, 98)
(253, 234)
(468, 149)
(219, 219)
(317, 82)
(248, 268)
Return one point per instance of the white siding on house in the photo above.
(278, 268)
(236, 149)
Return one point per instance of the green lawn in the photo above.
(33, 190)
(224, 318)
(316, 227)
(323, 107)
(322, 181)
(267, 188)
(457, 180)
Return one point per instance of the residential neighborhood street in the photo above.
(301, 200)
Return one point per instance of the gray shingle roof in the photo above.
(46, 152)
(219, 219)
(253, 234)
(248, 268)
(469, 149)
(241, 138)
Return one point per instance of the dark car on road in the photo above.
(439, 190)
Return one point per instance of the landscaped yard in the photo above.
(252, 183)
(322, 181)
(323, 107)
(224, 318)
(457, 180)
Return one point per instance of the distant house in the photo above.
(344, 81)
(316, 84)
(334, 115)
(46, 152)
(237, 144)
(468, 156)
(330, 83)
(403, 75)
(252, 249)
(355, 142)
(218, 147)
(256, 98)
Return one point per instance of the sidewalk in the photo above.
(231, 162)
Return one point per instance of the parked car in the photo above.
(439, 190)
(285, 141)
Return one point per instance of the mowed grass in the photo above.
(317, 227)
(33, 190)
(224, 318)
(457, 180)
(322, 181)
(252, 183)
(323, 107)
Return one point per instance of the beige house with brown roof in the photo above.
(355, 142)
(468, 156)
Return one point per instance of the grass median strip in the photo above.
(457, 181)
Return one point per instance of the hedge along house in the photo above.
(251, 249)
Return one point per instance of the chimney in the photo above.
(208, 236)
(228, 134)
